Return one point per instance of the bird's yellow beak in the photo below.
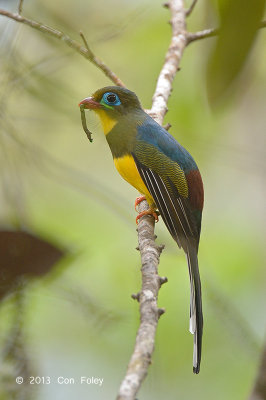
(90, 103)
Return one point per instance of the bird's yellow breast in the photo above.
(127, 169)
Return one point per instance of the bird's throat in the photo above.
(107, 122)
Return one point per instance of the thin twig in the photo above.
(20, 6)
(87, 53)
(206, 33)
(84, 40)
(191, 8)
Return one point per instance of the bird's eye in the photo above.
(111, 99)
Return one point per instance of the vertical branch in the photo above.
(172, 60)
(191, 8)
(149, 312)
(20, 6)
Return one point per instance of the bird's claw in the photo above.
(148, 212)
(139, 200)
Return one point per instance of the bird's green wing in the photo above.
(166, 182)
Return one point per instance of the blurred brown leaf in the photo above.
(24, 255)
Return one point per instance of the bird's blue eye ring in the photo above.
(111, 99)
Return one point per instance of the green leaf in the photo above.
(239, 24)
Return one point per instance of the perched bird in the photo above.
(152, 161)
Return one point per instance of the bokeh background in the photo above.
(78, 319)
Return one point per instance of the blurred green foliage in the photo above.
(238, 29)
(53, 181)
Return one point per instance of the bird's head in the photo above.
(111, 103)
(114, 100)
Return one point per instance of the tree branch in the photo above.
(149, 312)
(191, 8)
(206, 33)
(20, 6)
(85, 52)
(172, 61)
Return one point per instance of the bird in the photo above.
(149, 158)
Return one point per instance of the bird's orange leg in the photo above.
(150, 211)
(139, 200)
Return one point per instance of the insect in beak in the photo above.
(88, 103)
(84, 123)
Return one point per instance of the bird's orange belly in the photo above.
(127, 169)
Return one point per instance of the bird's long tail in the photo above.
(196, 318)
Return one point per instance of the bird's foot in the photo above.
(139, 200)
(150, 211)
